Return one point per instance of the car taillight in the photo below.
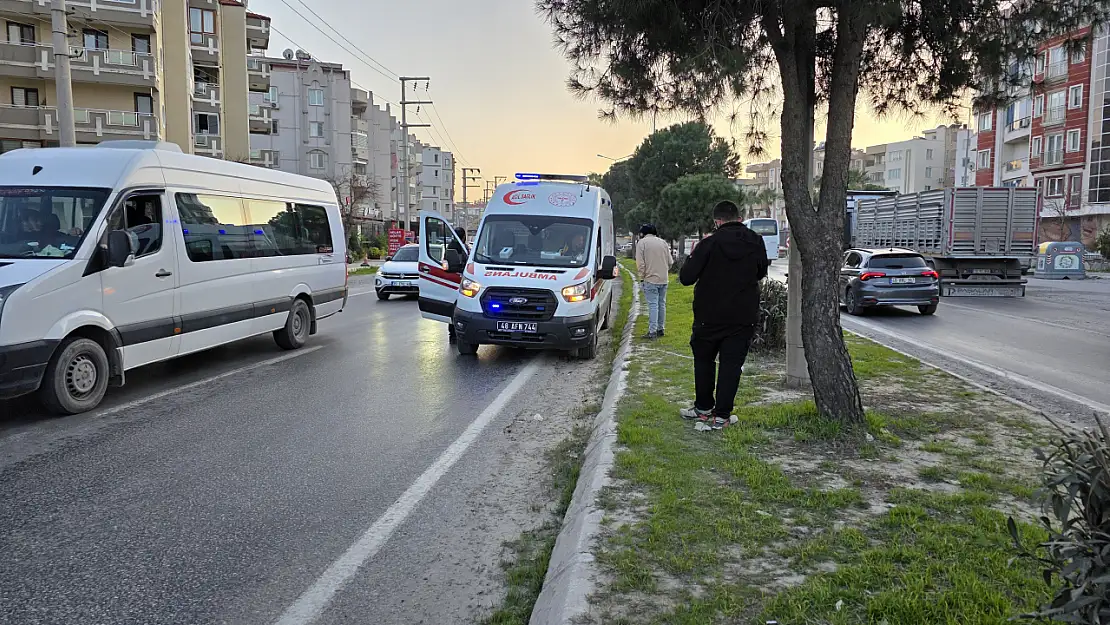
(929, 273)
(872, 274)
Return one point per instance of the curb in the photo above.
(571, 574)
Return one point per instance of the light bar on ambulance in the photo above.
(553, 177)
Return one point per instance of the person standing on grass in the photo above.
(653, 264)
(725, 269)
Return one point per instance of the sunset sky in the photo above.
(498, 83)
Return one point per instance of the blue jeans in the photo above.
(656, 295)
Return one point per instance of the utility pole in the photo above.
(497, 180)
(466, 178)
(59, 25)
(490, 188)
(405, 125)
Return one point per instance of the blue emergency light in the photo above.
(553, 177)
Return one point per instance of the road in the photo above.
(348, 482)
(1050, 348)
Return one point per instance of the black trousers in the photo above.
(729, 344)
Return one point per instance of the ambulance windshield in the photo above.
(534, 240)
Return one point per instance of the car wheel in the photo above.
(452, 336)
(76, 378)
(466, 349)
(851, 302)
(383, 296)
(927, 310)
(295, 333)
(588, 352)
(608, 311)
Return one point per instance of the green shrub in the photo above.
(1077, 518)
(375, 253)
(770, 332)
(1102, 243)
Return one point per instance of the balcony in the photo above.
(1054, 115)
(1057, 71)
(205, 49)
(134, 13)
(1017, 129)
(206, 97)
(258, 74)
(259, 119)
(115, 67)
(40, 123)
(208, 145)
(265, 158)
(258, 31)
(1013, 166)
(1053, 157)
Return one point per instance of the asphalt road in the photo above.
(1050, 348)
(222, 487)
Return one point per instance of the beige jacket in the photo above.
(653, 259)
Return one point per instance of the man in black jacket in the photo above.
(725, 269)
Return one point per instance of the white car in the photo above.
(399, 274)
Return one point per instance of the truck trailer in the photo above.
(981, 240)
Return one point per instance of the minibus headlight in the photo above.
(577, 293)
(469, 287)
(5, 293)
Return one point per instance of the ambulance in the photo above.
(539, 273)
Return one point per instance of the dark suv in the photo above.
(887, 277)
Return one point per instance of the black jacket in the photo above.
(726, 268)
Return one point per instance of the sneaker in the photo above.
(719, 423)
(693, 413)
(661, 333)
(651, 336)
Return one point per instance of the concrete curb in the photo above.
(571, 574)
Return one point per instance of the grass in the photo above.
(364, 271)
(788, 517)
(530, 554)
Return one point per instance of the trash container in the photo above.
(1058, 260)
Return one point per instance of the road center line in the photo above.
(1041, 322)
(313, 601)
(995, 371)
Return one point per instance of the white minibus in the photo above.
(132, 252)
(769, 230)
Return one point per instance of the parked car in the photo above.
(399, 274)
(887, 277)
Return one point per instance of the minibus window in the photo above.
(46, 222)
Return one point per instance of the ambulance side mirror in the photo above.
(608, 269)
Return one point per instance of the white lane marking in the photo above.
(227, 374)
(312, 602)
(357, 293)
(1002, 373)
(1041, 322)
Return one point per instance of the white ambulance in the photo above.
(538, 275)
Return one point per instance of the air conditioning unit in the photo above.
(201, 141)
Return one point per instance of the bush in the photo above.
(770, 332)
(1102, 243)
(375, 253)
(1077, 517)
(376, 240)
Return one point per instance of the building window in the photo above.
(95, 39)
(1075, 96)
(1042, 59)
(1057, 62)
(928, 172)
(895, 156)
(1075, 191)
(22, 34)
(984, 121)
(928, 187)
(1038, 105)
(1073, 140)
(1038, 146)
(316, 97)
(273, 126)
(929, 154)
(271, 96)
(316, 129)
(1055, 187)
(22, 96)
(206, 123)
(1078, 55)
(201, 23)
(140, 44)
(435, 172)
(894, 174)
(144, 104)
(1054, 150)
(984, 159)
(317, 160)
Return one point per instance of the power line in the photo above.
(332, 39)
(297, 45)
(454, 145)
(344, 37)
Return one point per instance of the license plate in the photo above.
(903, 280)
(982, 271)
(973, 291)
(402, 284)
(516, 326)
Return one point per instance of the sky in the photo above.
(498, 82)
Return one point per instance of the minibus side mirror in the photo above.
(454, 261)
(121, 248)
(608, 269)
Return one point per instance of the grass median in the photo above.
(787, 517)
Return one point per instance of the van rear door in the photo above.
(439, 282)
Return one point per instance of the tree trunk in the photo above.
(817, 230)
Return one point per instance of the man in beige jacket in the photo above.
(653, 263)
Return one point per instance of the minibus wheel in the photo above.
(76, 378)
(297, 327)
(588, 352)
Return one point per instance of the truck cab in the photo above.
(538, 275)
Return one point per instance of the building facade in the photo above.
(127, 60)
(438, 181)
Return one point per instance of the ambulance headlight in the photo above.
(577, 293)
(469, 287)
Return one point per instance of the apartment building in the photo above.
(438, 180)
(128, 59)
(1051, 136)
(925, 162)
(764, 186)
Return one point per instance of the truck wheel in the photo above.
(383, 296)
(851, 302)
(588, 352)
(295, 332)
(466, 349)
(927, 310)
(76, 378)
